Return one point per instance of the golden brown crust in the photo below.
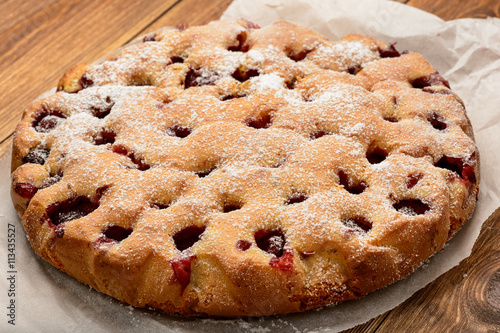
(227, 170)
(71, 80)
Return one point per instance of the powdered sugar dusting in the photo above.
(346, 53)
(269, 81)
(239, 132)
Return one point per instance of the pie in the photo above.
(230, 170)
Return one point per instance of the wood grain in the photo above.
(465, 299)
(192, 12)
(455, 9)
(16, 13)
(370, 326)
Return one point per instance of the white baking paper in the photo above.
(466, 52)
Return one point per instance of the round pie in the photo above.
(231, 170)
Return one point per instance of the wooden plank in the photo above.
(454, 9)
(465, 299)
(15, 12)
(57, 36)
(192, 12)
(370, 326)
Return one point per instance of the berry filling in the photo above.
(205, 172)
(240, 43)
(459, 166)
(149, 38)
(51, 181)
(242, 74)
(318, 134)
(101, 190)
(121, 150)
(298, 56)
(351, 186)
(198, 78)
(176, 60)
(391, 119)
(26, 190)
(283, 263)
(105, 137)
(413, 180)
(411, 207)
(354, 69)
(159, 205)
(48, 123)
(243, 245)
(115, 234)
(260, 122)
(85, 81)
(436, 121)
(389, 52)
(358, 224)
(271, 241)
(290, 83)
(46, 120)
(395, 100)
(179, 131)
(468, 174)
(296, 197)
(182, 269)
(37, 156)
(433, 79)
(187, 237)
(232, 206)
(376, 155)
(59, 213)
(104, 110)
(229, 97)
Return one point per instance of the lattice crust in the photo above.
(227, 170)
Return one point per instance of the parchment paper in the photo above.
(466, 52)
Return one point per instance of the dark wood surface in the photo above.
(43, 38)
(465, 299)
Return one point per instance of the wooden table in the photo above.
(43, 38)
